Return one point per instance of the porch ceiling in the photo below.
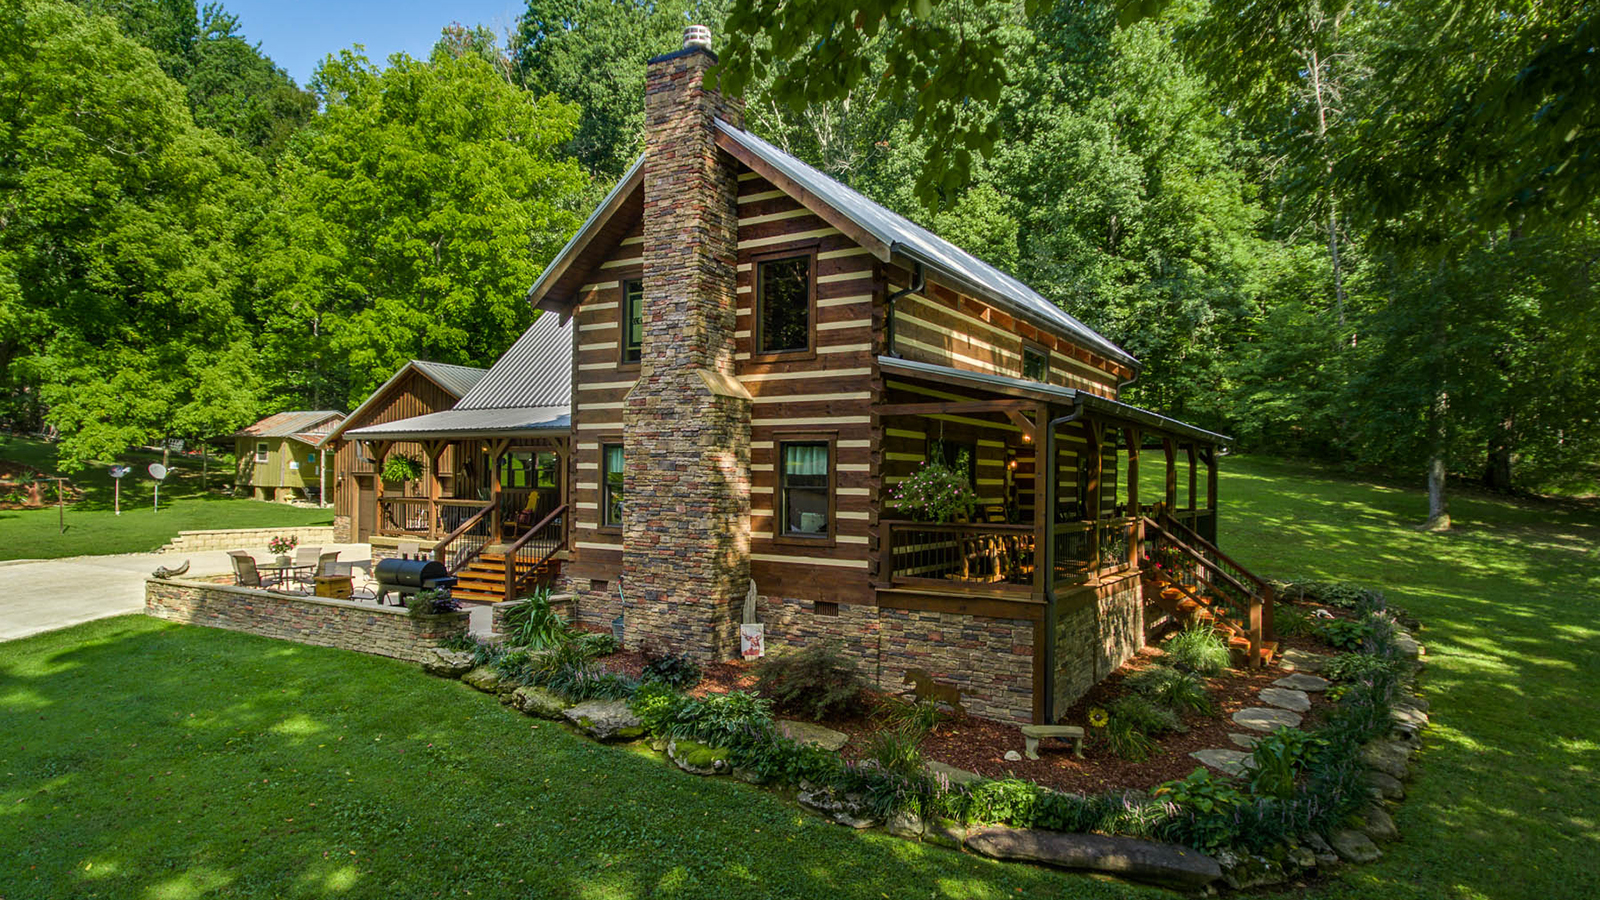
(1032, 390)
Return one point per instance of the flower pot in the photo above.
(283, 560)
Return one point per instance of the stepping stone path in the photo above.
(1229, 762)
(1296, 701)
(1294, 660)
(1260, 718)
(1299, 682)
(1247, 741)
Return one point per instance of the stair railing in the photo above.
(534, 549)
(1226, 563)
(1244, 605)
(467, 542)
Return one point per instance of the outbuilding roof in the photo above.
(295, 424)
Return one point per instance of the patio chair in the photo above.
(245, 573)
(325, 563)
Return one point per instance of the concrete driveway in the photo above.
(43, 595)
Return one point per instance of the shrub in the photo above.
(676, 670)
(1358, 667)
(1345, 634)
(1341, 594)
(431, 603)
(462, 642)
(817, 681)
(897, 752)
(1173, 689)
(1293, 621)
(1123, 738)
(534, 624)
(1277, 759)
(594, 646)
(1145, 715)
(919, 718)
(1205, 811)
(1200, 650)
(724, 720)
(657, 705)
(587, 682)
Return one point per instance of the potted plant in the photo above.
(401, 468)
(282, 546)
(937, 491)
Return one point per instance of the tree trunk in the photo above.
(1497, 470)
(1438, 503)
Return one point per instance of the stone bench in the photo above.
(1032, 734)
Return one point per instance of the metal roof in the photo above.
(918, 244)
(470, 423)
(1019, 386)
(292, 424)
(453, 378)
(535, 372)
(631, 180)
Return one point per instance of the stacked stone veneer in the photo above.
(363, 627)
(686, 427)
(341, 529)
(1097, 629)
(245, 538)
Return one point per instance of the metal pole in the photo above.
(61, 506)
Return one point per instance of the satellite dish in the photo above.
(118, 471)
(158, 471)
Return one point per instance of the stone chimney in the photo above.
(686, 524)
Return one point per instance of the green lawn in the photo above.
(93, 527)
(147, 760)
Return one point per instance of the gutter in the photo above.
(919, 283)
(1047, 553)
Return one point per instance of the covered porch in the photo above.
(1076, 494)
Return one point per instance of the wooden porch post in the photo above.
(1172, 473)
(1194, 473)
(1134, 437)
(497, 449)
(561, 473)
(1211, 491)
(379, 451)
(434, 450)
(1095, 432)
(1043, 519)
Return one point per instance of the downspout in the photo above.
(919, 282)
(1048, 552)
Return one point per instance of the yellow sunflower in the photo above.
(1098, 717)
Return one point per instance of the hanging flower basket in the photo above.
(937, 491)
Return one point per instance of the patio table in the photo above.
(286, 574)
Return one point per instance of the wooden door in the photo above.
(366, 511)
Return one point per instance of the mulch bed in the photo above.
(979, 745)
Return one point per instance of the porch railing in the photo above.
(467, 540)
(1176, 558)
(929, 552)
(533, 552)
(1094, 547)
(422, 517)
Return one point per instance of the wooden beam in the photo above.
(1171, 451)
(1095, 431)
(1042, 516)
(1029, 428)
(952, 407)
(1194, 473)
(1134, 438)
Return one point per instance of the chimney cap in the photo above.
(696, 36)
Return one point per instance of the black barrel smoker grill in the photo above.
(405, 577)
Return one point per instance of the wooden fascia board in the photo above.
(817, 205)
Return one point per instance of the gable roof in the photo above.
(527, 390)
(294, 424)
(452, 379)
(885, 233)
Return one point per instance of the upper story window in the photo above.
(261, 452)
(784, 304)
(632, 321)
(1035, 363)
(611, 484)
(806, 496)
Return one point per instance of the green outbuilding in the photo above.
(278, 457)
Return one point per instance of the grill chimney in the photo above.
(697, 36)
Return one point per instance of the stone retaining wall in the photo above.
(245, 538)
(1098, 627)
(363, 627)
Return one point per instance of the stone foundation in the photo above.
(363, 627)
(989, 659)
(341, 530)
(247, 538)
(1098, 628)
(593, 602)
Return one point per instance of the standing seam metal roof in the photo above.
(456, 379)
(535, 372)
(921, 245)
(290, 424)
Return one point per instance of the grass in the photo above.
(94, 528)
(148, 760)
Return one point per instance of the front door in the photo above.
(366, 511)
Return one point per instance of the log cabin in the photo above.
(757, 356)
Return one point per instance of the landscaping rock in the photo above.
(1302, 682)
(847, 810)
(1407, 646)
(1247, 741)
(1229, 762)
(1260, 718)
(1353, 846)
(905, 824)
(1296, 701)
(1321, 850)
(955, 775)
(945, 833)
(1296, 660)
(1303, 857)
(1377, 824)
(1250, 870)
(1383, 785)
(1164, 864)
(605, 719)
(749, 776)
(1387, 757)
(1408, 720)
(447, 663)
(1013, 756)
(698, 758)
(536, 701)
(815, 735)
(484, 678)
(1412, 701)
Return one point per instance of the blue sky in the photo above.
(298, 34)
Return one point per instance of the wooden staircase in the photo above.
(483, 580)
(1198, 585)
